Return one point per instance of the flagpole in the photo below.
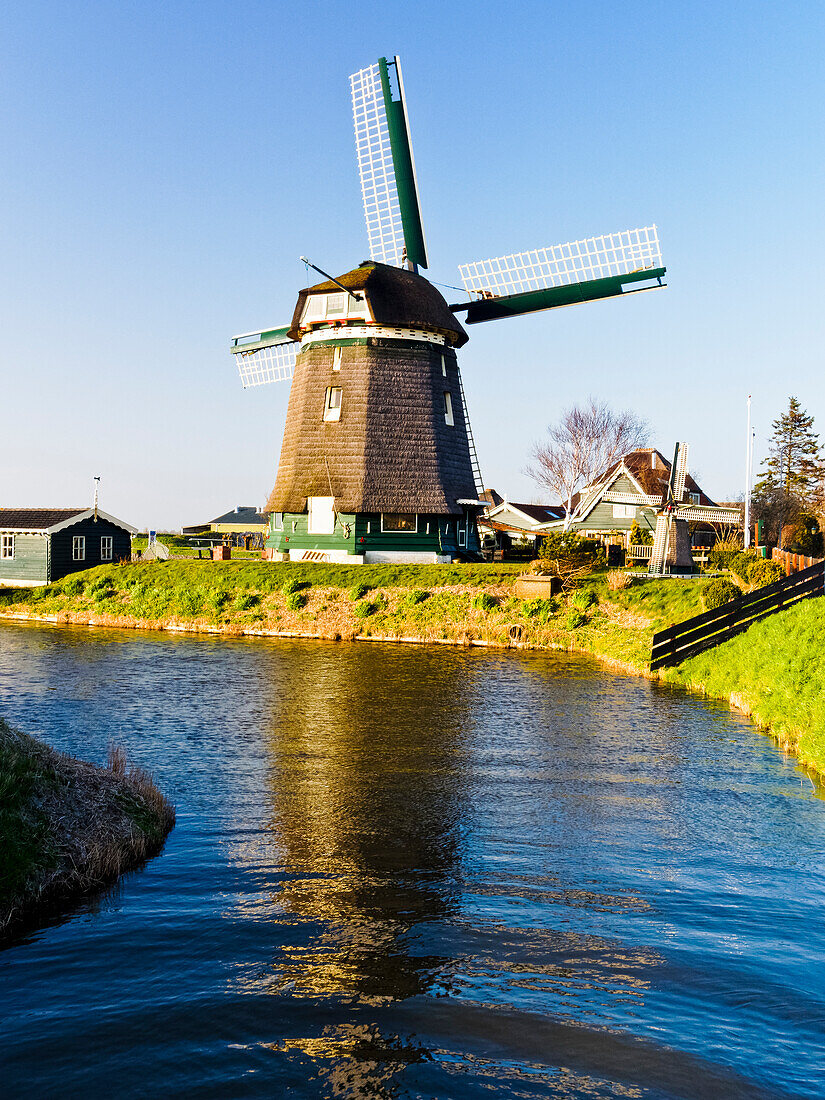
(748, 477)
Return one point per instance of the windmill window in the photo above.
(106, 548)
(448, 409)
(694, 498)
(278, 521)
(79, 548)
(443, 366)
(336, 358)
(332, 403)
(402, 522)
(624, 511)
(7, 547)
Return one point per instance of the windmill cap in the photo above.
(396, 297)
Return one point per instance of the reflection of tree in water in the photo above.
(368, 799)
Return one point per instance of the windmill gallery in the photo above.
(378, 462)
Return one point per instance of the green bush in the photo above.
(365, 609)
(762, 572)
(485, 602)
(575, 619)
(360, 589)
(418, 595)
(540, 610)
(741, 563)
(74, 586)
(721, 559)
(296, 600)
(640, 536)
(246, 601)
(583, 599)
(294, 584)
(718, 592)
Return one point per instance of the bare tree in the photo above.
(586, 440)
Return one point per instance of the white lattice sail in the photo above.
(615, 254)
(260, 363)
(379, 190)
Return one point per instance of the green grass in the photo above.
(776, 667)
(25, 844)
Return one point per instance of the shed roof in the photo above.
(396, 297)
(243, 513)
(50, 520)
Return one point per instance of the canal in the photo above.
(420, 872)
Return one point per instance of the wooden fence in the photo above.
(792, 563)
(690, 637)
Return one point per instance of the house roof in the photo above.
(396, 297)
(50, 520)
(649, 469)
(243, 513)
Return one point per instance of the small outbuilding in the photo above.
(41, 545)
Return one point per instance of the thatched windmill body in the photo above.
(378, 460)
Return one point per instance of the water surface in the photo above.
(401, 871)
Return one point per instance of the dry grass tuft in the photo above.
(618, 580)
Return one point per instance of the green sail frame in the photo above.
(403, 164)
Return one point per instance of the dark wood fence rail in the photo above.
(690, 637)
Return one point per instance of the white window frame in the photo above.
(337, 304)
(106, 548)
(448, 409)
(277, 521)
(462, 536)
(333, 411)
(7, 547)
(336, 358)
(624, 511)
(695, 498)
(443, 366)
(78, 547)
(396, 530)
(321, 515)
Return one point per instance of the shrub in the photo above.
(485, 602)
(721, 558)
(296, 600)
(575, 619)
(365, 609)
(718, 592)
(640, 536)
(806, 537)
(418, 595)
(294, 584)
(741, 562)
(583, 599)
(540, 610)
(246, 601)
(762, 572)
(74, 586)
(570, 557)
(618, 580)
(360, 589)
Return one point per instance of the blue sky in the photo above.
(165, 165)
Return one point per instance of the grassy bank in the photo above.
(68, 827)
(775, 671)
(460, 603)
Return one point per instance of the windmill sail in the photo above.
(546, 278)
(264, 357)
(386, 166)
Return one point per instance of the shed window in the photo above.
(332, 403)
(462, 536)
(321, 519)
(406, 522)
(106, 548)
(448, 409)
(79, 548)
(7, 546)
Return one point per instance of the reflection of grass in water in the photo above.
(776, 670)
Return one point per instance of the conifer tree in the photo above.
(794, 465)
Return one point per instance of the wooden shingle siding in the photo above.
(30, 562)
(62, 561)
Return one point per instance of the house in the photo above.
(525, 523)
(244, 519)
(610, 504)
(40, 545)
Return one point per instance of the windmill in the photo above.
(378, 460)
(671, 539)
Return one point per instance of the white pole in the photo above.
(748, 452)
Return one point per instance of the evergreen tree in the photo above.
(794, 466)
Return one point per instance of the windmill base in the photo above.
(678, 558)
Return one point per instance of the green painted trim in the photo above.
(404, 171)
(268, 338)
(490, 309)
